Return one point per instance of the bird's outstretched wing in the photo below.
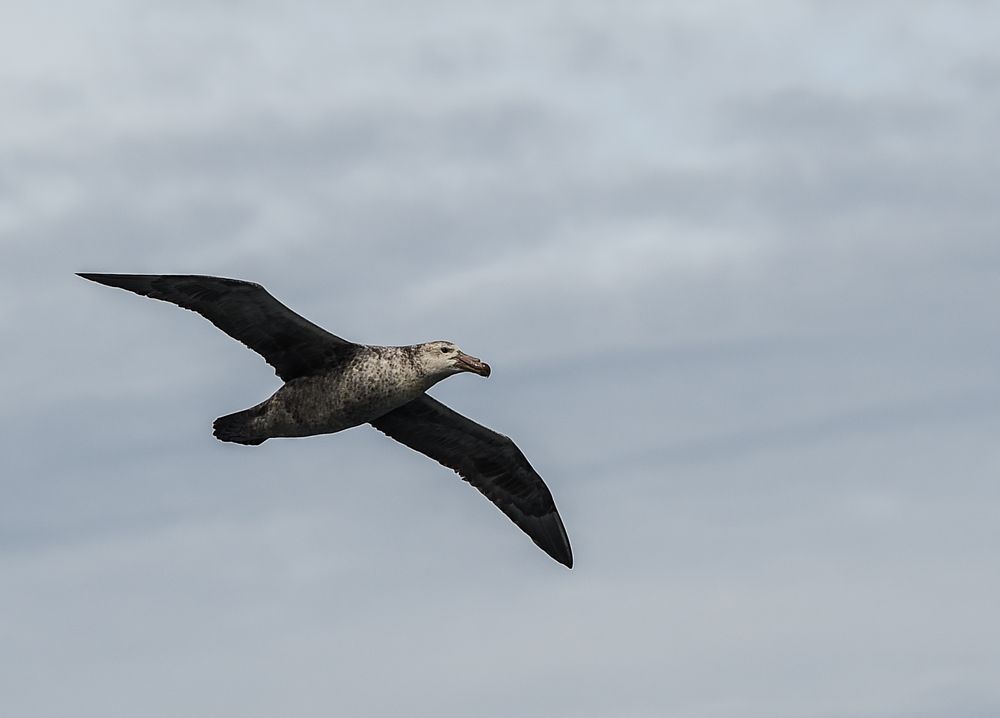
(245, 311)
(487, 460)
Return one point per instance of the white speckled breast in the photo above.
(376, 381)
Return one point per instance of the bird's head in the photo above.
(445, 358)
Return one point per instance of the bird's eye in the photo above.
(445, 350)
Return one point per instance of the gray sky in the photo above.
(735, 266)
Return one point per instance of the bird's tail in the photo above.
(241, 427)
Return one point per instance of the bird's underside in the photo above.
(331, 383)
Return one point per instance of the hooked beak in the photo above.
(470, 363)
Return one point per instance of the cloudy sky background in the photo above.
(735, 266)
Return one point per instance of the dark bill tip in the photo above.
(470, 363)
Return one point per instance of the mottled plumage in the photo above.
(331, 384)
(373, 381)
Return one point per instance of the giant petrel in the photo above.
(332, 384)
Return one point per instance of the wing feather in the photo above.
(489, 461)
(291, 344)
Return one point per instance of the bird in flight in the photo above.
(331, 384)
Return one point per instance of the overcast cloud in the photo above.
(735, 266)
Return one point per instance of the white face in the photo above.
(439, 357)
(445, 358)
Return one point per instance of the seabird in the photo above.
(331, 384)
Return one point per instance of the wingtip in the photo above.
(98, 277)
(553, 540)
(138, 283)
(563, 556)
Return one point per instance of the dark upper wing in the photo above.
(487, 460)
(245, 311)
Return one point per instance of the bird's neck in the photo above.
(400, 365)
